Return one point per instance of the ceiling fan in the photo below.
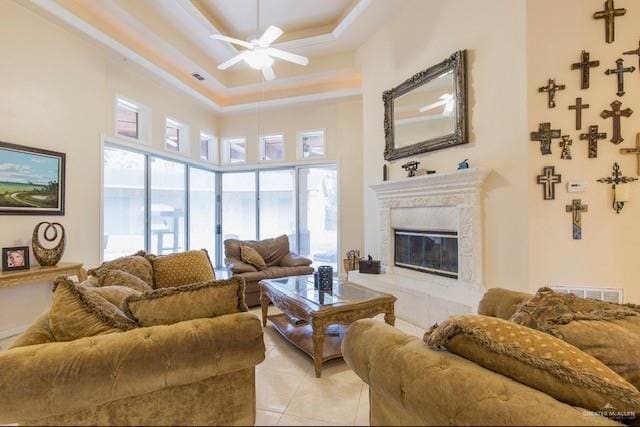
(258, 54)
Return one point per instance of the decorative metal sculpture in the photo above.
(579, 106)
(616, 179)
(619, 71)
(609, 15)
(577, 208)
(616, 113)
(411, 168)
(634, 52)
(565, 145)
(545, 135)
(635, 151)
(551, 88)
(585, 66)
(48, 257)
(592, 137)
(548, 180)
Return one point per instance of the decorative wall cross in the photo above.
(579, 106)
(619, 71)
(634, 52)
(545, 135)
(616, 114)
(617, 178)
(592, 137)
(565, 145)
(576, 208)
(548, 180)
(551, 88)
(585, 66)
(635, 151)
(609, 15)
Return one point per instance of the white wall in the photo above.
(422, 34)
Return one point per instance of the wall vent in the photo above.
(198, 76)
(603, 294)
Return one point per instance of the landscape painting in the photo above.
(31, 181)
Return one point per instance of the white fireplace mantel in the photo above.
(446, 202)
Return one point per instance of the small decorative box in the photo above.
(369, 266)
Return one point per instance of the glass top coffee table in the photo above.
(315, 320)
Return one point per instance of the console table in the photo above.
(42, 274)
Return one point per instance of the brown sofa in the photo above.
(411, 384)
(281, 262)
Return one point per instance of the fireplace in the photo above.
(433, 252)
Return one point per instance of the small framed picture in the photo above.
(16, 258)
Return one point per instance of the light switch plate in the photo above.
(577, 186)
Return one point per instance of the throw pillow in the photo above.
(136, 264)
(607, 331)
(251, 256)
(536, 359)
(77, 312)
(121, 278)
(114, 294)
(183, 268)
(196, 301)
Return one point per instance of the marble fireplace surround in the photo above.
(442, 202)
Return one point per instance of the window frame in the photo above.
(144, 120)
(212, 147)
(262, 148)
(226, 153)
(184, 143)
(300, 148)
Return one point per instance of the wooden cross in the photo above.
(634, 52)
(616, 114)
(593, 136)
(576, 208)
(584, 66)
(635, 151)
(565, 145)
(620, 70)
(579, 106)
(551, 88)
(545, 135)
(548, 180)
(609, 15)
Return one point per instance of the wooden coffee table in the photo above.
(315, 321)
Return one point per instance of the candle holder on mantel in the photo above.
(620, 187)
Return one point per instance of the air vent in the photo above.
(603, 294)
(198, 76)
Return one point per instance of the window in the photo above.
(132, 120)
(278, 204)
(168, 203)
(124, 204)
(234, 150)
(202, 210)
(239, 206)
(311, 145)
(207, 147)
(272, 147)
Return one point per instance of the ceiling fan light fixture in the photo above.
(258, 59)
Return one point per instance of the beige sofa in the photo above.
(411, 384)
(281, 262)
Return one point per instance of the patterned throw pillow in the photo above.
(252, 257)
(536, 359)
(76, 312)
(136, 264)
(121, 278)
(182, 268)
(196, 301)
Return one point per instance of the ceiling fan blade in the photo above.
(288, 56)
(268, 73)
(269, 36)
(233, 61)
(231, 40)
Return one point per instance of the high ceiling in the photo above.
(171, 38)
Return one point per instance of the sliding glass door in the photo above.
(202, 210)
(168, 206)
(239, 206)
(277, 203)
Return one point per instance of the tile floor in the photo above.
(289, 394)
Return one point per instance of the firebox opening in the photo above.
(434, 252)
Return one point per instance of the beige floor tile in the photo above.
(326, 400)
(273, 337)
(274, 390)
(292, 420)
(287, 359)
(267, 418)
(406, 327)
(338, 370)
(6, 343)
(362, 415)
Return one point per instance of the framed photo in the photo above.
(31, 181)
(16, 258)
